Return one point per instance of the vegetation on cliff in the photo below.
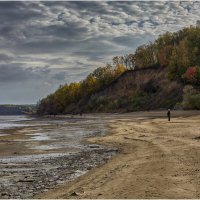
(72, 93)
(176, 54)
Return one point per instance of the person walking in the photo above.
(168, 114)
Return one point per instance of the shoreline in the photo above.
(26, 171)
(157, 159)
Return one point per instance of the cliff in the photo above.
(142, 89)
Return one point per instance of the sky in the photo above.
(47, 44)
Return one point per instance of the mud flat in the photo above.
(157, 159)
(38, 155)
(20, 179)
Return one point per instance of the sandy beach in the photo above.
(156, 159)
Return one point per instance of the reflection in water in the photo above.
(50, 134)
(54, 152)
(13, 121)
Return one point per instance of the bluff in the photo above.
(159, 75)
(134, 90)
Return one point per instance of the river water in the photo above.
(37, 154)
(13, 121)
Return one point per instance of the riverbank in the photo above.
(39, 154)
(157, 159)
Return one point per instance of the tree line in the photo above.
(178, 51)
(71, 93)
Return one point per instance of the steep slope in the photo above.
(142, 89)
(109, 89)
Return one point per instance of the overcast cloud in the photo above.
(45, 44)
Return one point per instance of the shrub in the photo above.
(195, 101)
(138, 100)
(191, 98)
(113, 105)
(192, 75)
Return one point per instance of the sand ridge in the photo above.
(157, 159)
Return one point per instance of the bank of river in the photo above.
(158, 159)
(39, 154)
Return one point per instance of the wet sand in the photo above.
(46, 153)
(157, 159)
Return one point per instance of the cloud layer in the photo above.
(45, 44)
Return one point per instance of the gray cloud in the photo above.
(4, 58)
(13, 73)
(59, 76)
(16, 72)
(45, 44)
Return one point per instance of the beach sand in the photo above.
(157, 159)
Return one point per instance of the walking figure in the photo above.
(168, 114)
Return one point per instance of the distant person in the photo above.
(168, 114)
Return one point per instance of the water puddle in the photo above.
(1, 135)
(11, 125)
(55, 154)
(40, 138)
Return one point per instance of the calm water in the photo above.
(13, 121)
(49, 136)
(46, 152)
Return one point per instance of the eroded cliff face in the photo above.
(143, 89)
